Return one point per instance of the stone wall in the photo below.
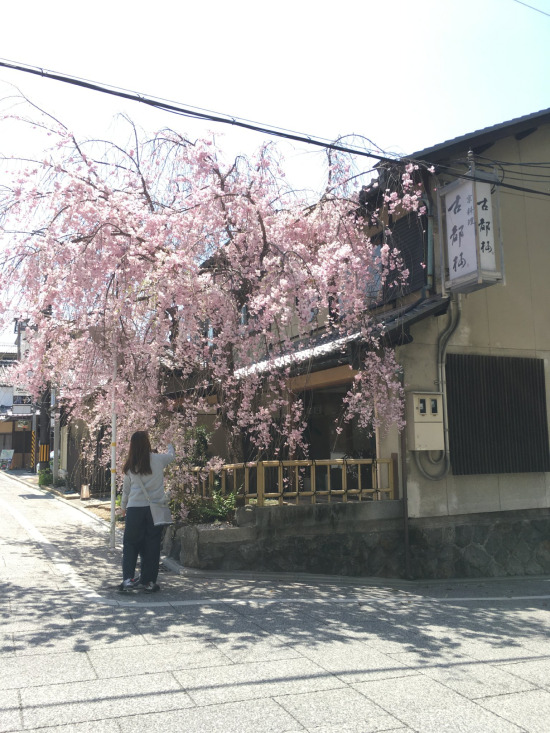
(494, 544)
(333, 539)
(368, 539)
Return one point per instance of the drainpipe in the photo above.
(442, 344)
(442, 371)
(405, 499)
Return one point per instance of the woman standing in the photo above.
(143, 470)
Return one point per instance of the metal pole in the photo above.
(113, 455)
(34, 462)
(44, 431)
(405, 500)
(55, 419)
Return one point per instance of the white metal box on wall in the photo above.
(425, 421)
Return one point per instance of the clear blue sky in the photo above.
(407, 74)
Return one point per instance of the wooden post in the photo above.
(260, 481)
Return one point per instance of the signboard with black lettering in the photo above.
(468, 233)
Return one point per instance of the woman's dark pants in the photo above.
(141, 537)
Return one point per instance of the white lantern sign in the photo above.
(469, 235)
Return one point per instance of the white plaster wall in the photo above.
(511, 320)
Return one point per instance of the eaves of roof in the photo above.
(483, 138)
(393, 326)
(400, 320)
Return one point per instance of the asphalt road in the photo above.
(250, 652)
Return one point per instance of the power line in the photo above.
(451, 171)
(521, 164)
(201, 114)
(193, 112)
(538, 10)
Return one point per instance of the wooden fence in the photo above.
(297, 482)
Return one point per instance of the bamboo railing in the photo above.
(297, 482)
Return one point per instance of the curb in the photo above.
(169, 562)
(342, 580)
(60, 497)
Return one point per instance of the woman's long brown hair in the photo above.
(139, 460)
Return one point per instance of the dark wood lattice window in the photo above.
(497, 415)
(408, 235)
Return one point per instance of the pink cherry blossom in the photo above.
(186, 286)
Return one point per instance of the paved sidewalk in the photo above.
(250, 652)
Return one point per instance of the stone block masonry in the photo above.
(368, 539)
(494, 544)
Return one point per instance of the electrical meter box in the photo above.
(425, 421)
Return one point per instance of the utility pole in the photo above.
(44, 432)
(112, 533)
(55, 422)
(34, 462)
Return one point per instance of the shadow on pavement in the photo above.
(286, 612)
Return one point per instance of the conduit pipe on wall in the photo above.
(455, 312)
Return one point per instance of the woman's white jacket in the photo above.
(132, 493)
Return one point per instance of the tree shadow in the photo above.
(394, 617)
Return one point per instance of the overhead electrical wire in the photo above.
(515, 163)
(201, 114)
(531, 7)
(451, 171)
(512, 174)
(193, 112)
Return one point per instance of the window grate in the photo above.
(497, 415)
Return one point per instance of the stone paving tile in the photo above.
(349, 621)
(16, 672)
(255, 680)
(100, 699)
(464, 674)
(97, 726)
(170, 631)
(204, 623)
(7, 644)
(539, 645)
(536, 671)
(25, 576)
(251, 716)
(529, 710)
(495, 650)
(358, 728)
(395, 644)
(251, 647)
(288, 622)
(77, 638)
(90, 613)
(430, 707)
(343, 709)
(10, 714)
(354, 662)
(18, 587)
(31, 608)
(26, 564)
(32, 623)
(381, 620)
(156, 658)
